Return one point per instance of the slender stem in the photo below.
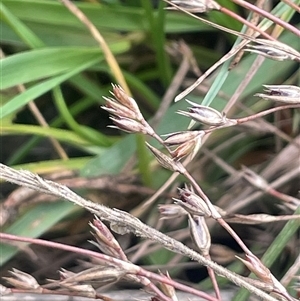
(268, 16)
(244, 21)
(292, 4)
(111, 60)
(130, 267)
(266, 112)
(252, 117)
(127, 222)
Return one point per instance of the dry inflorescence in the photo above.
(176, 151)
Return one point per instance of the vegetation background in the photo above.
(54, 75)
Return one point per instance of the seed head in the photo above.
(274, 50)
(188, 143)
(283, 93)
(195, 6)
(257, 267)
(203, 114)
(170, 211)
(200, 233)
(22, 280)
(164, 160)
(126, 100)
(269, 52)
(192, 203)
(127, 125)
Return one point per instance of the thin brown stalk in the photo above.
(111, 60)
(249, 31)
(292, 5)
(222, 28)
(123, 223)
(247, 23)
(244, 83)
(130, 268)
(269, 16)
(246, 200)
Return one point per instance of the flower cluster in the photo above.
(125, 112)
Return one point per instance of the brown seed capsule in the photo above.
(181, 137)
(128, 125)
(283, 93)
(205, 115)
(257, 267)
(22, 280)
(170, 211)
(200, 233)
(126, 100)
(164, 160)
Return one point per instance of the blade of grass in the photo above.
(60, 134)
(22, 99)
(35, 222)
(52, 13)
(21, 152)
(53, 166)
(20, 29)
(56, 60)
(156, 26)
(87, 133)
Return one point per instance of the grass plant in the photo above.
(207, 182)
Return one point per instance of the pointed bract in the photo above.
(200, 233)
(195, 6)
(204, 114)
(283, 93)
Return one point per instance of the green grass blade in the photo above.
(43, 63)
(35, 222)
(59, 134)
(20, 29)
(22, 99)
(93, 136)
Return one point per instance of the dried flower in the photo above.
(100, 274)
(200, 233)
(125, 113)
(269, 52)
(195, 6)
(128, 125)
(283, 93)
(164, 160)
(106, 242)
(192, 203)
(177, 138)
(190, 148)
(22, 280)
(257, 267)
(126, 100)
(84, 289)
(274, 49)
(117, 109)
(167, 289)
(205, 115)
(170, 211)
(189, 142)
